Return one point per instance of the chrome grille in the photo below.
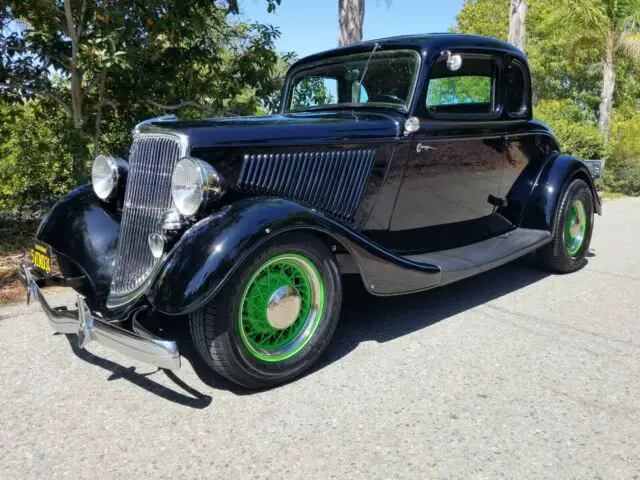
(333, 181)
(147, 197)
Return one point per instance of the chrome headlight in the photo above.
(194, 185)
(106, 174)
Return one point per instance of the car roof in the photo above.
(430, 42)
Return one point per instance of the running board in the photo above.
(462, 262)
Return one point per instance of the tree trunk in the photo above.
(77, 97)
(517, 17)
(351, 18)
(608, 87)
(96, 139)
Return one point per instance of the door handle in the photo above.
(423, 148)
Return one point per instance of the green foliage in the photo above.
(311, 91)
(565, 47)
(577, 134)
(457, 90)
(35, 159)
(120, 62)
(123, 61)
(625, 141)
(484, 17)
(622, 173)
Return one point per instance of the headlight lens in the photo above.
(106, 174)
(194, 185)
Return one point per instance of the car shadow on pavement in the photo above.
(194, 399)
(382, 319)
(363, 318)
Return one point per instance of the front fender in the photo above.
(545, 196)
(85, 230)
(209, 253)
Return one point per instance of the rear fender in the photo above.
(208, 254)
(555, 176)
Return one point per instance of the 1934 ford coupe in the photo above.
(412, 162)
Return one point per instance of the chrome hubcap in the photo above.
(283, 307)
(576, 227)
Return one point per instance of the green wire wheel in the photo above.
(276, 314)
(281, 307)
(576, 227)
(572, 229)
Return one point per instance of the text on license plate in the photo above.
(41, 257)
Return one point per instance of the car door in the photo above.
(451, 185)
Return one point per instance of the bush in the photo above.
(622, 180)
(577, 133)
(35, 159)
(625, 142)
(622, 172)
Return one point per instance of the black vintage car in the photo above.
(412, 162)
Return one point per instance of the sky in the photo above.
(310, 26)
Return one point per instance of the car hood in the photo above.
(287, 129)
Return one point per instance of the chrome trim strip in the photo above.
(149, 121)
(153, 131)
(144, 347)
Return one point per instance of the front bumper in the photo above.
(138, 344)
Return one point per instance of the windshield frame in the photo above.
(300, 69)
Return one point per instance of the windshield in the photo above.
(389, 81)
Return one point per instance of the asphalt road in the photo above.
(514, 374)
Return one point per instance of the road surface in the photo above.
(514, 373)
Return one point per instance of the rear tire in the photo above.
(275, 316)
(572, 230)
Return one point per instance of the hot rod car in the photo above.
(412, 162)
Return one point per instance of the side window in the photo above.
(468, 91)
(459, 91)
(315, 91)
(517, 90)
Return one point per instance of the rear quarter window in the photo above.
(517, 94)
(459, 91)
(466, 93)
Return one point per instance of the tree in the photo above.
(565, 92)
(35, 161)
(517, 17)
(484, 17)
(611, 26)
(351, 20)
(311, 92)
(92, 55)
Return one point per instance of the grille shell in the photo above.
(147, 197)
(332, 181)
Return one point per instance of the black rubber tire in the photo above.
(214, 327)
(554, 256)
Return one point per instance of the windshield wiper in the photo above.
(366, 68)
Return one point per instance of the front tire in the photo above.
(572, 230)
(275, 316)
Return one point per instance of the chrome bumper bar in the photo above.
(138, 344)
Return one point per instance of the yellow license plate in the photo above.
(41, 257)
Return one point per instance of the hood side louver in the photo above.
(332, 181)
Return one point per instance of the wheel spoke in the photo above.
(263, 339)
